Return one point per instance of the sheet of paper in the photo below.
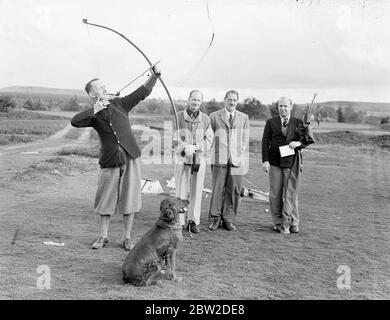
(286, 151)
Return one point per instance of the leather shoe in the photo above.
(230, 226)
(127, 244)
(192, 227)
(294, 229)
(215, 224)
(284, 230)
(100, 243)
(276, 228)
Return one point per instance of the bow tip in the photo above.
(85, 20)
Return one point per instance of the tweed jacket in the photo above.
(114, 129)
(231, 144)
(196, 132)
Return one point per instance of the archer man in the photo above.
(119, 181)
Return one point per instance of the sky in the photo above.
(263, 49)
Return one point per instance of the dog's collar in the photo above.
(165, 219)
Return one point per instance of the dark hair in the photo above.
(193, 91)
(231, 91)
(88, 86)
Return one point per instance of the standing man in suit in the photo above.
(196, 138)
(229, 161)
(119, 181)
(281, 130)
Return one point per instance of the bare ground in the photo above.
(344, 205)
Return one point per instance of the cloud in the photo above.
(258, 45)
(377, 57)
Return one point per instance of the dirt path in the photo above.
(14, 158)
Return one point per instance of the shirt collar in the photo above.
(230, 113)
(282, 119)
(192, 114)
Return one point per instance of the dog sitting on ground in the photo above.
(154, 256)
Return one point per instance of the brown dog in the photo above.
(154, 255)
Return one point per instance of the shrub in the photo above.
(7, 103)
(31, 104)
(340, 114)
(72, 105)
(254, 108)
(385, 120)
(67, 107)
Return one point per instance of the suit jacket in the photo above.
(194, 132)
(273, 138)
(230, 143)
(114, 129)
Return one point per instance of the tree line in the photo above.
(8, 103)
(253, 107)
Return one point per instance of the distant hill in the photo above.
(372, 108)
(43, 91)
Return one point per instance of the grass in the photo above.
(18, 130)
(26, 126)
(32, 127)
(28, 115)
(54, 166)
(44, 169)
(82, 151)
(350, 138)
(73, 133)
(16, 138)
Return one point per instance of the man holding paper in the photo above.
(281, 156)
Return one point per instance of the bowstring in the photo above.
(120, 112)
(200, 61)
(139, 76)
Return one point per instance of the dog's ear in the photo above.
(181, 203)
(185, 203)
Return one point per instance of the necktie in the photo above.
(285, 122)
(231, 120)
(192, 114)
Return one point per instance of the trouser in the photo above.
(283, 196)
(119, 189)
(225, 197)
(190, 187)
